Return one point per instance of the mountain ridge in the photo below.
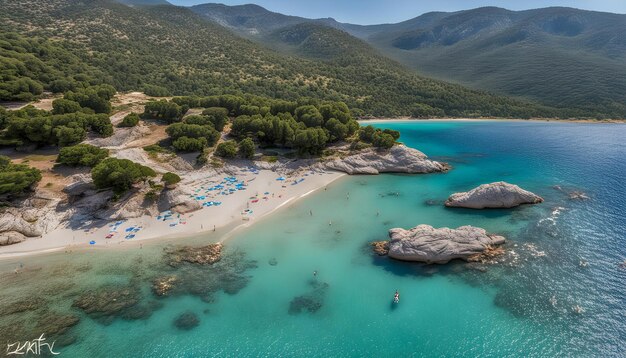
(171, 50)
(559, 56)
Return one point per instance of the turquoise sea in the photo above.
(263, 299)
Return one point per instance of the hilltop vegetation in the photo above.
(30, 65)
(16, 178)
(170, 50)
(68, 123)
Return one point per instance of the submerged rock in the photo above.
(425, 243)
(398, 159)
(578, 195)
(381, 248)
(311, 301)
(27, 303)
(161, 286)
(55, 324)
(187, 321)
(111, 301)
(494, 195)
(489, 255)
(204, 280)
(202, 255)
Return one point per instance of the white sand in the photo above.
(229, 213)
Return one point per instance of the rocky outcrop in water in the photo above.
(311, 301)
(161, 286)
(425, 243)
(109, 302)
(27, 303)
(202, 255)
(381, 248)
(55, 324)
(398, 159)
(494, 195)
(187, 321)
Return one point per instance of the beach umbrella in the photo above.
(92, 242)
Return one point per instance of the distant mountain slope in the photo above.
(144, 2)
(562, 57)
(180, 52)
(246, 19)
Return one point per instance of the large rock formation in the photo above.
(425, 243)
(31, 217)
(179, 200)
(494, 195)
(398, 159)
(81, 185)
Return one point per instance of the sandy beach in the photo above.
(261, 195)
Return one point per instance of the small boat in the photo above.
(396, 297)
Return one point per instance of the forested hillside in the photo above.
(171, 50)
(561, 57)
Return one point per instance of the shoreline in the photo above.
(546, 120)
(231, 218)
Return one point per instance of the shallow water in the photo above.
(257, 300)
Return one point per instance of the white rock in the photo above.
(494, 195)
(425, 243)
(398, 159)
(178, 200)
(31, 217)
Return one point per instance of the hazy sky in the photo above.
(382, 11)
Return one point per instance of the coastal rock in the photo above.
(81, 185)
(31, 217)
(425, 243)
(398, 159)
(494, 195)
(178, 200)
(11, 237)
(201, 255)
(489, 255)
(132, 205)
(578, 195)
